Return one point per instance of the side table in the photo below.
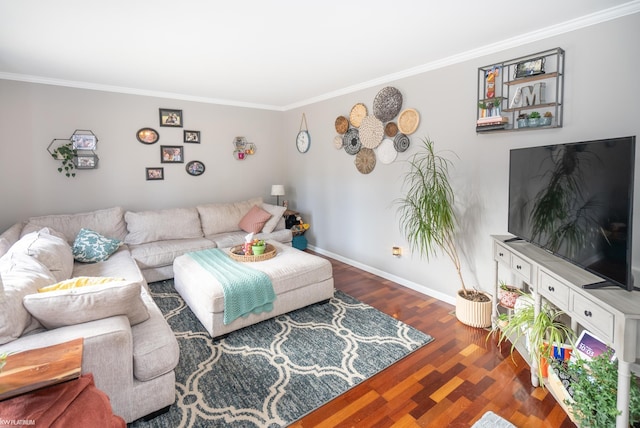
(36, 368)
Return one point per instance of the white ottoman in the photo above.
(299, 279)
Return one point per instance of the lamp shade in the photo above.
(277, 190)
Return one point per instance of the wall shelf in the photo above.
(518, 87)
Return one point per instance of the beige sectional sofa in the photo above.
(128, 346)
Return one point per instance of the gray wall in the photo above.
(352, 216)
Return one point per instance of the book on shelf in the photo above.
(492, 120)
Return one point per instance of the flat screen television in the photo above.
(575, 200)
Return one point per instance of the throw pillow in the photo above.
(78, 305)
(50, 250)
(254, 220)
(81, 281)
(276, 215)
(91, 247)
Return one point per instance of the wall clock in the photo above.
(303, 139)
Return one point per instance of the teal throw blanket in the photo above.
(246, 290)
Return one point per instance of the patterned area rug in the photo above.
(273, 373)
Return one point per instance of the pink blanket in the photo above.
(76, 403)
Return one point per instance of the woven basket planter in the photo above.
(474, 314)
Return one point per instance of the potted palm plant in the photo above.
(428, 222)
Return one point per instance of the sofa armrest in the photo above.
(107, 350)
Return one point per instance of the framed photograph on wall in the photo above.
(192, 137)
(147, 136)
(195, 168)
(171, 154)
(170, 117)
(82, 141)
(89, 161)
(154, 173)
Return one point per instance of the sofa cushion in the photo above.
(254, 220)
(77, 305)
(10, 237)
(276, 212)
(91, 247)
(120, 264)
(52, 251)
(108, 222)
(151, 226)
(155, 349)
(157, 254)
(222, 218)
(20, 275)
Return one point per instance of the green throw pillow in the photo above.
(91, 247)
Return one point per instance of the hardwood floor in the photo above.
(451, 382)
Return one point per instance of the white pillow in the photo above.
(276, 213)
(53, 252)
(78, 305)
(21, 275)
(223, 218)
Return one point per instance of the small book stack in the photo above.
(491, 123)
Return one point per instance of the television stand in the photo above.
(612, 314)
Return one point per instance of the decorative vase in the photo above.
(533, 122)
(545, 121)
(474, 314)
(258, 249)
(522, 123)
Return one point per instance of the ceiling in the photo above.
(276, 54)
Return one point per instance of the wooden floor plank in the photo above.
(450, 382)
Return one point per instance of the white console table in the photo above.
(612, 314)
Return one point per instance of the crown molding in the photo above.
(534, 36)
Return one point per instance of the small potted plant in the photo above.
(593, 386)
(65, 154)
(258, 246)
(522, 120)
(534, 119)
(507, 295)
(545, 120)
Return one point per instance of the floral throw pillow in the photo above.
(91, 247)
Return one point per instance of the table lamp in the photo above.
(277, 190)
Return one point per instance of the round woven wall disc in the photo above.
(365, 160)
(408, 121)
(358, 112)
(391, 129)
(351, 141)
(342, 124)
(385, 152)
(401, 142)
(371, 132)
(337, 142)
(387, 103)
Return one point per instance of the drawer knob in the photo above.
(551, 288)
(518, 267)
(587, 313)
(501, 254)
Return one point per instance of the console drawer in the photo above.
(553, 290)
(502, 255)
(593, 317)
(521, 267)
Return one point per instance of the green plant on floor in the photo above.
(595, 386)
(65, 154)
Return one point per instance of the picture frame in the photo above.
(171, 154)
(153, 173)
(530, 67)
(86, 161)
(147, 135)
(192, 137)
(170, 117)
(84, 141)
(195, 168)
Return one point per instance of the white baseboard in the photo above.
(386, 275)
